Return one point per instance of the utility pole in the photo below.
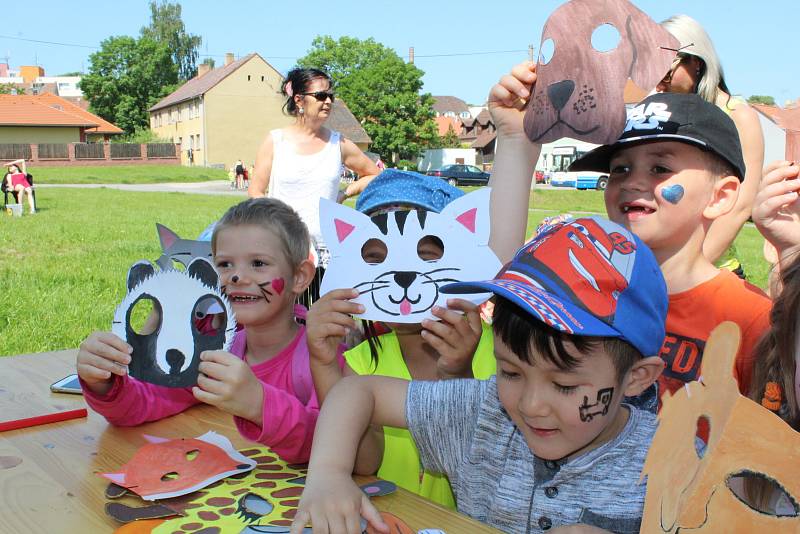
(411, 55)
(530, 53)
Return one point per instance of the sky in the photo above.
(463, 46)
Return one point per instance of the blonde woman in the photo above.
(697, 69)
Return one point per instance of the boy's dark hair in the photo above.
(526, 336)
(298, 81)
(273, 215)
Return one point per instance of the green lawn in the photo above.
(62, 271)
(125, 174)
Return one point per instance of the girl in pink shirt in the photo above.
(261, 250)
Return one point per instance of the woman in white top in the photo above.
(302, 163)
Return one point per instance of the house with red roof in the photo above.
(223, 114)
(47, 118)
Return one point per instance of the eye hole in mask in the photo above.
(702, 430)
(605, 38)
(145, 316)
(762, 494)
(546, 51)
(430, 248)
(374, 251)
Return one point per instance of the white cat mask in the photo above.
(404, 288)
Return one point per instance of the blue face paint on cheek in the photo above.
(672, 194)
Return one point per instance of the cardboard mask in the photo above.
(166, 468)
(703, 491)
(170, 355)
(579, 92)
(403, 287)
(182, 251)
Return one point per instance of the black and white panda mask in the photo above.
(170, 355)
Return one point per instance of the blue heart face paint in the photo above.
(673, 193)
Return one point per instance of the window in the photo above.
(199, 146)
(248, 77)
(262, 78)
(464, 114)
(450, 114)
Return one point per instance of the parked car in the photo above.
(458, 174)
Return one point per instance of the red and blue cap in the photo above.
(586, 277)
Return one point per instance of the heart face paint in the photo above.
(673, 193)
(278, 284)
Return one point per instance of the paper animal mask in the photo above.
(166, 468)
(579, 91)
(703, 492)
(403, 287)
(170, 355)
(183, 251)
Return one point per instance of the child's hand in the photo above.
(508, 98)
(327, 323)
(455, 337)
(776, 210)
(333, 503)
(227, 382)
(102, 355)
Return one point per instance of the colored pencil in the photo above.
(43, 419)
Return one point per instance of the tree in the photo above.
(166, 27)
(126, 77)
(761, 99)
(209, 61)
(9, 89)
(449, 139)
(72, 73)
(381, 90)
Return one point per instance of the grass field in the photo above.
(125, 174)
(62, 271)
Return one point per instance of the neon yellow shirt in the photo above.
(400, 456)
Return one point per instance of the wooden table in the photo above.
(56, 489)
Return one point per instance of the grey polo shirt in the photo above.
(462, 430)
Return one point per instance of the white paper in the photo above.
(404, 288)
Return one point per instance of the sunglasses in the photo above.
(680, 58)
(321, 96)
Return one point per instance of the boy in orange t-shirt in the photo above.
(675, 169)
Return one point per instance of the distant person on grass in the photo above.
(17, 182)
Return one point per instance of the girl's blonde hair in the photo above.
(695, 41)
(275, 216)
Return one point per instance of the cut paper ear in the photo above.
(580, 82)
(472, 212)
(745, 480)
(399, 260)
(166, 236)
(338, 222)
(169, 354)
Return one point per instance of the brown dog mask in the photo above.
(690, 493)
(579, 92)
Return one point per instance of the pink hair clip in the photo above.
(288, 89)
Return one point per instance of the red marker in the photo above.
(43, 419)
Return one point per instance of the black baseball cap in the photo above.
(685, 118)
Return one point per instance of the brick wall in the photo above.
(72, 161)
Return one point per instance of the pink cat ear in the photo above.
(468, 219)
(343, 229)
(116, 478)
